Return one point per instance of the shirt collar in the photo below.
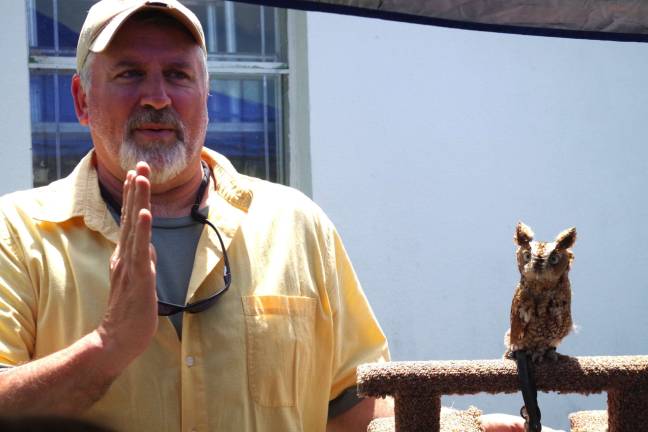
(77, 195)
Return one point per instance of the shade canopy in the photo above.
(617, 20)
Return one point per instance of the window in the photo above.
(247, 61)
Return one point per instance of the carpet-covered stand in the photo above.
(417, 387)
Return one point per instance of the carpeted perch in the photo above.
(588, 421)
(417, 388)
(451, 421)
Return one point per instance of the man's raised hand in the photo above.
(131, 318)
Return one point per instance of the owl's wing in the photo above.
(518, 326)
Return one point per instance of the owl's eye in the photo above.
(526, 256)
(553, 259)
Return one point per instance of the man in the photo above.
(79, 328)
(268, 339)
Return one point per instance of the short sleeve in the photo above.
(17, 303)
(358, 337)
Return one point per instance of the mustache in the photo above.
(146, 116)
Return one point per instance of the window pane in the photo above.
(44, 158)
(42, 13)
(243, 126)
(50, 97)
(58, 140)
(57, 25)
(248, 28)
(42, 97)
(66, 103)
(242, 32)
(71, 14)
(55, 154)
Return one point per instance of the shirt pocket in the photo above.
(279, 344)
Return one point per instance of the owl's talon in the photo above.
(537, 357)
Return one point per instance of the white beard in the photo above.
(165, 161)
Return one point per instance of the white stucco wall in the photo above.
(429, 144)
(15, 142)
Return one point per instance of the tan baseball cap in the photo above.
(105, 18)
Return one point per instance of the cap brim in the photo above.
(106, 34)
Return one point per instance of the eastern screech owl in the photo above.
(541, 308)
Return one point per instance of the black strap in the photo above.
(530, 411)
(195, 209)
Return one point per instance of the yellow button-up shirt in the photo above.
(283, 341)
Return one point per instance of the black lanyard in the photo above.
(530, 411)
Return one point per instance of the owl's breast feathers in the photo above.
(540, 315)
(523, 311)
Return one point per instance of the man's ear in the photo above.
(80, 100)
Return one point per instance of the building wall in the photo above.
(429, 144)
(15, 152)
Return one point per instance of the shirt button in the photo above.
(189, 362)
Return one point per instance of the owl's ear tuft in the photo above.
(523, 235)
(566, 238)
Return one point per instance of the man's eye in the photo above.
(177, 75)
(129, 74)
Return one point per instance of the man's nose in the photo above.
(154, 93)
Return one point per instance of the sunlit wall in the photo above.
(429, 144)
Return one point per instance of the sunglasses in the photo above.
(166, 309)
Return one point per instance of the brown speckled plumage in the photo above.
(541, 308)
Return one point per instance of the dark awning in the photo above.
(618, 20)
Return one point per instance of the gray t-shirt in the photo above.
(175, 241)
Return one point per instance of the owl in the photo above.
(541, 308)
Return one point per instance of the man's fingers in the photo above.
(135, 235)
(142, 238)
(142, 195)
(127, 199)
(139, 197)
(143, 169)
(134, 206)
(153, 254)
